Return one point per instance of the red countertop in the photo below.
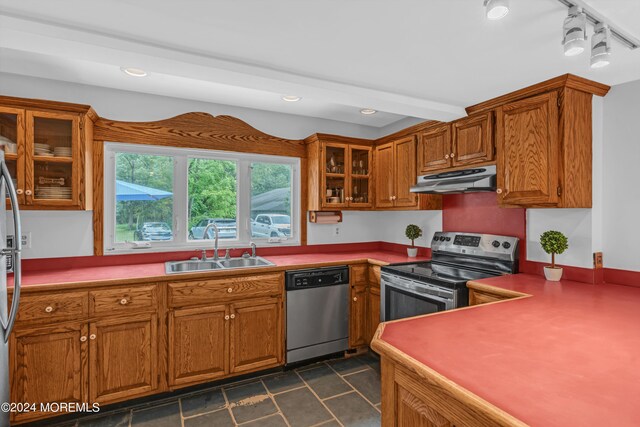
(157, 269)
(569, 355)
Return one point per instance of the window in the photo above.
(175, 198)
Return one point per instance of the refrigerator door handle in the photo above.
(17, 277)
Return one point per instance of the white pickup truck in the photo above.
(271, 225)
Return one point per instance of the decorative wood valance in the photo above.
(199, 130)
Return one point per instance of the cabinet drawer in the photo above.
(123, 300)
(200, 292)
(58, 306)
(359, 275)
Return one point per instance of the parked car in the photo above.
(153, 231)
(227, 229)
(271, 225)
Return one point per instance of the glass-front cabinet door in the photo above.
(12, 143)
(335, 161)
(52, 157)
(360, 176)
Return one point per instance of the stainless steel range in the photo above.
(412, 289)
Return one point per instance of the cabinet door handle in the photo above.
(499, 190)
(92, 337)
(453, 155)
(49, 309)
(233, 316)
(19, 191)
(355, 298)
(446, 157)
(83, 338)
(230, 290)
(28, 192)
(124, 301)
(226, 317)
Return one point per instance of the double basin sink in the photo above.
(173, 267)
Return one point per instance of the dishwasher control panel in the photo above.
(316, 277)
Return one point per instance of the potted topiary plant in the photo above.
(553, 242)
(413, 232)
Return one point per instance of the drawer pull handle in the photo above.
(83, 339)
(230, 290)
(226, 317)
(92, 337)
(49, 309)
(19, 191)
(233, 316)
(124, 301)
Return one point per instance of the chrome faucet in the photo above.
(253, 249)
(215, 243)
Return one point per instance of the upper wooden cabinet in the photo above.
(48, 152)
(434, 149)
(339, 173)
(472, 140)
(464, 142)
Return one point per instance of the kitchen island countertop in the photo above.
(563, 354)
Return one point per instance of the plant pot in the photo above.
(553, 274)
(412, 252)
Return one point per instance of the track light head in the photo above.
(601, 46)
(574, 32)
(496, 9)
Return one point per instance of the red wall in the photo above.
(479, 213)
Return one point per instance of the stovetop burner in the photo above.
(449, 276)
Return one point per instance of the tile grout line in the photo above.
(356, 390)
(320, 400)
(226, 400)
(180, 412)
(286, 421)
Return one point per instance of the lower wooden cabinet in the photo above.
(49, 364)
(413, 408)
(208, 343)
(373, 311)
(256, 334)
(358, 317)
(190, 331)
(123, 357)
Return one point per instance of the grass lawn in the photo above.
(123, 234)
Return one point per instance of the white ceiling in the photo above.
(426, 58)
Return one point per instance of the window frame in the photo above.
(180, 220)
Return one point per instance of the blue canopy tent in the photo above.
(126, 191)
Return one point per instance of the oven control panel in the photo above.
(489, 245)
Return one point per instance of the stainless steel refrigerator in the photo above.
(12, 255)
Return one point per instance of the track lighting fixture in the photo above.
(600, 46)
(574, 32)
(496, 9)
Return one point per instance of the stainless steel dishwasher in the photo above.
(317, 312)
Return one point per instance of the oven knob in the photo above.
(442, 238)
(448, 239)
(506, 245)
(435, 238)
(495, 244)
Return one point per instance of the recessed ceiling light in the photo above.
(134, 72)
(601, 46)
(574, 31)
(291, 98)
(368, 111)
(496, 9)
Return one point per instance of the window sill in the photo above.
(208, 245)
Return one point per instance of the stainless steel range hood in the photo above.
(472, 180)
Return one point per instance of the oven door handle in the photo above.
(424, 294)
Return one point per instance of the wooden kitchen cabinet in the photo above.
(358, 317)
(528, 151)
(190, 331)
(434, 149)
(49, 364)
(340, 173)
(472, 140)
(256, 334)
(51, 165)
(373, 311)
(123, 357)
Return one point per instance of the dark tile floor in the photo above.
(339, 392)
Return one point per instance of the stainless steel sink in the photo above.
(173, 267)
(245, 262)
